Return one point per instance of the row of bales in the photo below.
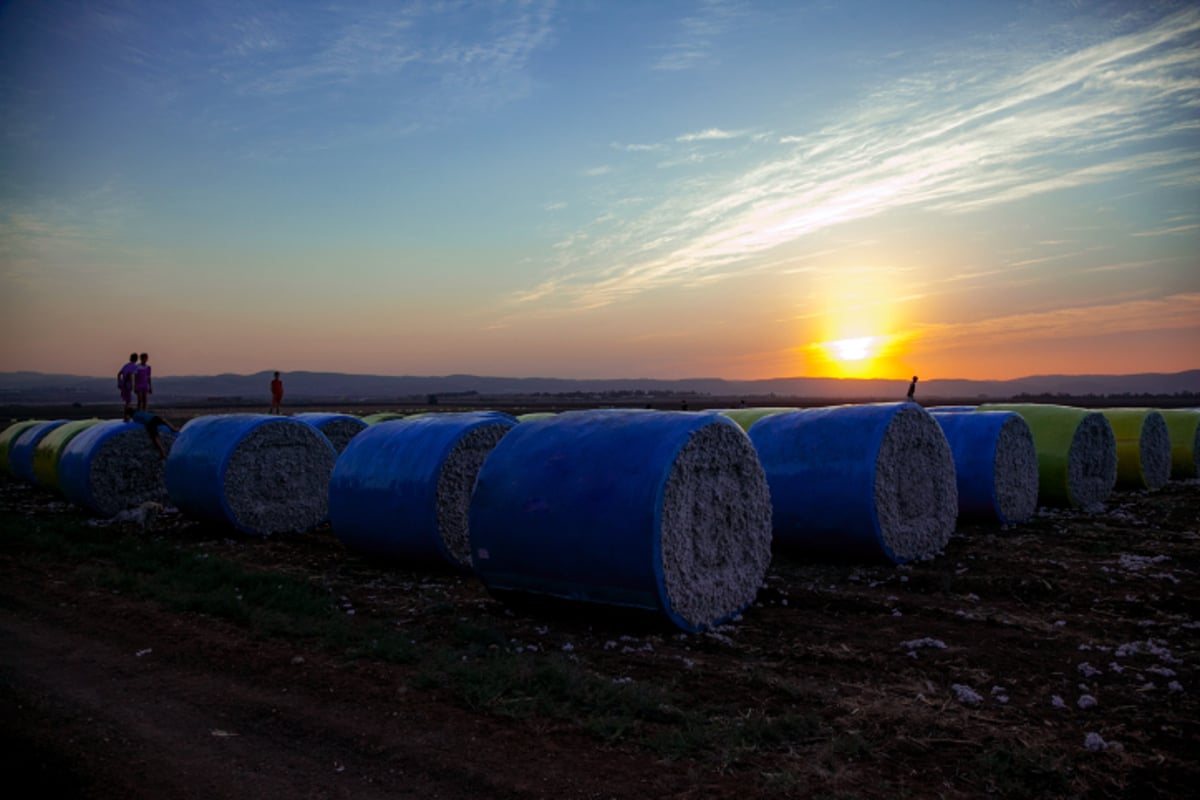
(673, 512)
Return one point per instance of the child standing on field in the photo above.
(125, 380)
(142, 385)
(276, 394)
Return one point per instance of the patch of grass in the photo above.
(1011, 771)
(157, 569)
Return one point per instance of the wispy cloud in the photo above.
(695, 42)
(708, 135)
(958, 145)
(1179, 311)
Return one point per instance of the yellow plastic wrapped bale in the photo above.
(7, 437)
(1143, 447)
(50, 448)
(382, 416)
(1076, 451)
(745, 417)
(1183, 428)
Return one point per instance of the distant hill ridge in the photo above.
(36, 387)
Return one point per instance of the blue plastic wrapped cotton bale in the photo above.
(663, 511)
(113, 466)
(339, 429)
(20, 455)
(261, 474)
(995, 463)
(859, 482)
(402, 488)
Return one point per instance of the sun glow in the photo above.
(851, 349)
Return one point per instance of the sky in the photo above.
(601, 188)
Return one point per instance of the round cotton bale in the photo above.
(382, 416)
(339, 429)
(1143, 447)
(20, 455)
(1077, 453)
(261, 474)
(745, 417)
(534, 415)
(113, 466)
(1183, 427)
(995, 464)
(48, 451)
(402, 489)
(871, 481)
(8, 437)
(666, 512)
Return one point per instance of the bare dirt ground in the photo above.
(1054, 659)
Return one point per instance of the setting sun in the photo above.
(851, 349)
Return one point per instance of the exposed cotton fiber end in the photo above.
(916, 498)
(1092, 465)
(123, 471)
(1183, 427)
(277, 479)
(1143, 447)
(1016, 471)
(455, 481)
(716, 526)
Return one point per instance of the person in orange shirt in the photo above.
(276, 394)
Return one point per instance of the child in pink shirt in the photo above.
(141, 382)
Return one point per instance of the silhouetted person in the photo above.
(151, 423)
(276, 394)
(142, 386)
(125, 380)
(912, 388)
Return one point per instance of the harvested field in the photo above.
(1054, 659)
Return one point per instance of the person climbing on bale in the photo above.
(125, 380)
(912, 388)
(151, 422)
(276, 394)
(142, 385)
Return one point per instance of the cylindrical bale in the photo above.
(402, 489)
(995, 463)
(113, 466)
(745, 417)
(1183, 426)
(20, 455)
(662, 511)
(382, 416)
(534, 415)
(862, 482)
(339, 429)
(1143, 447)
(50, 449)
(261, 474)
(8, 438)
(1077, 453)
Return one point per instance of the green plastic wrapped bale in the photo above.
(745, 417)
(1076, 451)
(7, 437)
(1143, 447)
(1183, 428)
(534, 415)
(382, 416)
(47, 452)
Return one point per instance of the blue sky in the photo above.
(601, 189)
